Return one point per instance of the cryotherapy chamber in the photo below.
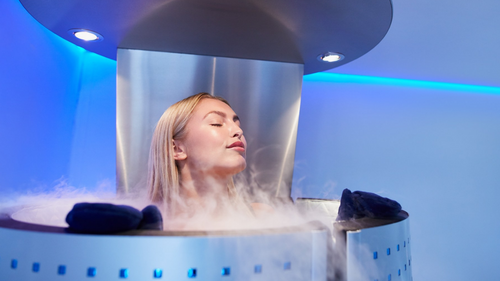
(254, 54)
(38, 252)
(363, 249)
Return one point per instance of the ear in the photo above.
(179, 150)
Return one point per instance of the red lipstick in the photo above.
(237, 145)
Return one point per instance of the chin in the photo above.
(229, 166)
(241, 168)
(238, 167)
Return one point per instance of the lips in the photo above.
(238, 145)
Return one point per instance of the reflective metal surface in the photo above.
(264, 94)
(276, 30)
(31, 252)
(375, 249)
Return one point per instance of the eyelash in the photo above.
(217, 125)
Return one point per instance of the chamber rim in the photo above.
(7, 222)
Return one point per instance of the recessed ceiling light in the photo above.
(331, 57)
(85, 34)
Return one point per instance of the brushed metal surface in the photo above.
(294, 31)
(264, 94)
(174, 253)
(380, 253)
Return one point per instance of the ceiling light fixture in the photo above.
(86, 35)
(330, 57)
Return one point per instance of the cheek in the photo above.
(208, 142)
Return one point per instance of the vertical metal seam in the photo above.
(214, 67)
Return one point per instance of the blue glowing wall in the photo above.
(56, 108)
(434, 147)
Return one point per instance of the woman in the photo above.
(197, 147)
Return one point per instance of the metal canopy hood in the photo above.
(295, 31)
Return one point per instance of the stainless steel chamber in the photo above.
(365, 249)
(37, 252)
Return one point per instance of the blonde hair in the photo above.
(163, 173)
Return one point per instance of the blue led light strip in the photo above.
(359, 79)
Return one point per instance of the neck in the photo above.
(200, 184)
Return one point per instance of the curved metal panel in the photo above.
(266, 96)
(276, 30)
(280, 255)
(379, 253)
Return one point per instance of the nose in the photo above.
(237, 131)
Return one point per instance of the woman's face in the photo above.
(214, 143)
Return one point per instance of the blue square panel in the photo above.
(257, 268)
(61, 270)
(157, 273)
(13, 264)
(91, 271)
(36, 267)
(287, 266)
(192, 273)
(226, 271)
(123, 273)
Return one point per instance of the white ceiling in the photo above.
(454, 41)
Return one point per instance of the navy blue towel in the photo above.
(102, 218)
(360, 204)
(151, 218)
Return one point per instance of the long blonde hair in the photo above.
(163, 173)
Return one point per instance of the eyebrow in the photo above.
(222, 114)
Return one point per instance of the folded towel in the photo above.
(105, 218)
(151, 218)
(360, 204)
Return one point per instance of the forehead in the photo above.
(207, 105)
